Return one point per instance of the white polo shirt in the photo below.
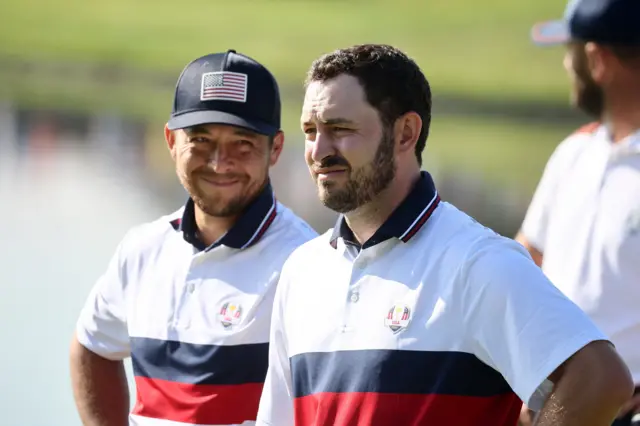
(585, 219)
(435, 320)
(195, 320)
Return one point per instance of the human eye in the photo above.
(198, 139)
(310, 133)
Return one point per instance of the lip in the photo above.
(324, 174)
(220, 183)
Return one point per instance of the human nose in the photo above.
(322, 147)
(220, 159)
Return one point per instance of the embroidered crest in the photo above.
(224, 86)
(398, 317)
(230, 314)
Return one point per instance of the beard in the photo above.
(364, 183)
(588, 96)
(218, 203)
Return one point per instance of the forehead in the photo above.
(220, 130)
(342, 97)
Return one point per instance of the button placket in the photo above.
(353, 295)
(182, 317)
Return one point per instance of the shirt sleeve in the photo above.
(276, 402)
(102, 325)
(534, 226)
(519, 322)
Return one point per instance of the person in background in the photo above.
(583, 224)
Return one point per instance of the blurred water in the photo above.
(61, 219)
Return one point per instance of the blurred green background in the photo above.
(500, 102)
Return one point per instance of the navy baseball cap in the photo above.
(602, 21)
(227, 88)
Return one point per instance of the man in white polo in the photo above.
(409, 312)
(583, 224)
(189, 296)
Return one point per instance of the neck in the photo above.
(211, 228)
(622, 116)
(367, 219)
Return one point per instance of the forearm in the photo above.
(100, 388)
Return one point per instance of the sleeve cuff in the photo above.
(537, 389)
(98, 346)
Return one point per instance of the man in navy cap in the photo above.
(583, 224)
(189, 296)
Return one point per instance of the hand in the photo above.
(526, 416)
(632, 406)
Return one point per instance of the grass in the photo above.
(464, 46)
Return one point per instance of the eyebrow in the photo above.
(196, 130)
(331, 121)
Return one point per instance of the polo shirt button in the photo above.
(355, 297)
(191, 287)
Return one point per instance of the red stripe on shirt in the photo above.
(197, 404)
(385, 409)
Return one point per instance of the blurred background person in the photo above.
(583, 224)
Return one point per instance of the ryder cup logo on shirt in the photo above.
(398, 317)
(230, 314)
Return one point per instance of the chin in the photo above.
(324, 195)
(329, 184)
(222, 207)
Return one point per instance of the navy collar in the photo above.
(247, 230)
(405, 221)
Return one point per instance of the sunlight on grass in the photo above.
(463, 46)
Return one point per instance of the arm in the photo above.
(535, 254)
(601, 391)
(276, 402)
(533, 232)
(101, 342)
(526, 329)
(100, 388)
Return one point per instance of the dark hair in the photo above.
(393, 83)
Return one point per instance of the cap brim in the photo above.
(550, 33)
(197, 118)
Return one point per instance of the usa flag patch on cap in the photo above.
(224, 86)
